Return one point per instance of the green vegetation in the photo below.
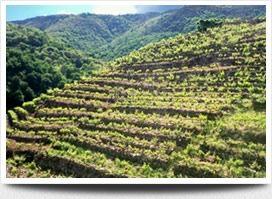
(188, 106)
(68, 47)
(37, 62)
(203, 25)
(109, 37)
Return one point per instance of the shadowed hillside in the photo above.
(37, 62)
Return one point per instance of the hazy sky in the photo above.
(19, 12)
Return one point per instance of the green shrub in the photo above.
(203, 25)
(29, 106)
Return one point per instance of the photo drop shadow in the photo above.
(177, 188)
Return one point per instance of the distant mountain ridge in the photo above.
(109, 37)
(41, 22)
(86, 31)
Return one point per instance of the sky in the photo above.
(20, 12)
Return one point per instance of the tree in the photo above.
(203, 25)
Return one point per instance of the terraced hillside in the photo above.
(188, 106)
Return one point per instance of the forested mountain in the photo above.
(190, 106)
(108, 37)
(87, 31)
(37, 62)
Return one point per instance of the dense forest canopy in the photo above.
(37, 62)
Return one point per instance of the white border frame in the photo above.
(266, 180)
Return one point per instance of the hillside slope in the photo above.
(171, 23)
(86, 31)
(108, 37)
(189, 106)
(37, 62)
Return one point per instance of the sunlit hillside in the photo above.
(189, 106)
